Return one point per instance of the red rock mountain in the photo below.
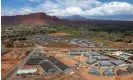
(44, 19)
(31, 19)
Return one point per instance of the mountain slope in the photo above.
(32, 19)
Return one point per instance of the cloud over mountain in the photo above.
(86, 8)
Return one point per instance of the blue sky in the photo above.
(101, 9)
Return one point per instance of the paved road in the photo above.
(8, 76)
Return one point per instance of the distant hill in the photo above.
(44, 19)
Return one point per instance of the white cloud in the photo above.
(47, 5)
(112, 8)
(66, 12)
(84, 4)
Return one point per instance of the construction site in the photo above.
(66, 64)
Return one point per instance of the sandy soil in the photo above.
(8, 66)
(81, 58)
(11, 59)
(16, 54)
(69, 61)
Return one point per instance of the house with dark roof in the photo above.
(48, 67)
(121, 72)
(101, 57)
(94, 71)
(118, 62)
(91, 61)
(130, 69)
(106, 64)
(108, 72)
(96, 54)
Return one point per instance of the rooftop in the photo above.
(108, 72)
(61, 65)
(105, 64)
(94, 71)
(121, 72)
(48, 67)
(96, 54)
(102, 57)
(52, 59)
(91, 61)
(117, 62)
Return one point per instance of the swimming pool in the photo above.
(125, 56)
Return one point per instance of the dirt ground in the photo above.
(74, 76)
(16, 54)
(81, 58)
(11, 59)
(69, 61)
(58, 34)
(8, 66)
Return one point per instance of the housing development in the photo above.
(47, 63)
(67, 40)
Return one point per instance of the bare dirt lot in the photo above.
(11, 59)
(8, 66)
(81, 58)
(69, 61)
(16, 54)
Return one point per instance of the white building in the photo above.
(26, 70)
